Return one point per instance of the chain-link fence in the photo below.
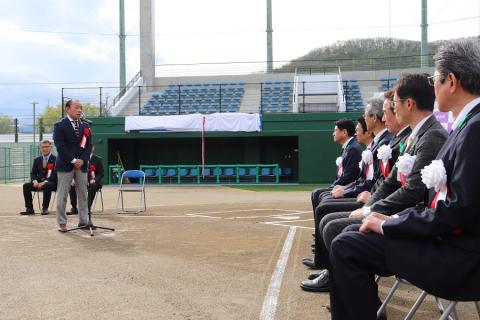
(16, 161)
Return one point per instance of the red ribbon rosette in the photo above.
(86, 134)
(50, 167)
(92, 171)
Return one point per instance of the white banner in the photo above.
(193, 122)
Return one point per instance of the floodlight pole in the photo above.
(269, 37)
(424, 27)
(122, 36)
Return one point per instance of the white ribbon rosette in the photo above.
(435, 176)
(367, 158)
(384, 153)
(404, 166)
(338, 162)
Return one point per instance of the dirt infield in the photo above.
(205, 252)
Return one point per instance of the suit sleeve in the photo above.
(459, 210)
(60, 144)
(34, 172)
(413, 191)
(350, 168)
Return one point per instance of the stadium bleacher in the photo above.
(276, 96)
(184, 98)
(353, 95)
(387, 84)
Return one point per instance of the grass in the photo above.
(280, 187)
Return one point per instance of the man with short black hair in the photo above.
(43, 177)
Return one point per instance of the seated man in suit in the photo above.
(434, 245)
(375, 123)
(42, 177)
(347, 163)
(95, 177)
(403, 187)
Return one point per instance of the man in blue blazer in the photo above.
(435, 245)
(72, 138)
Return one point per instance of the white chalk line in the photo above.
(270, 302)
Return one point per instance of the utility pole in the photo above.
(269, 37)
(122, 36)
(424, 27)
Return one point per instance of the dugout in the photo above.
(301, 142)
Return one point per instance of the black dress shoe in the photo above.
(44, 211)
(72, 211)
(316, 274)
(27, 212)
(310, 263)
(319, 284)
(86, 225)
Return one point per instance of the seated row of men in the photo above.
(43, 178)
(412, 206)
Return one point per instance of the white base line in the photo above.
(271, 298)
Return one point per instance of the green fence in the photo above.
(16, 161)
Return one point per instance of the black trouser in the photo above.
(356, 258)
(315, 196)
(48, 187)
(324, 208)
(92, 191)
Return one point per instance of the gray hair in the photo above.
(462, 58)
(46, 141)
(375, 108)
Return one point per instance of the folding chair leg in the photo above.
(388, 297)
(448, 310)
(441, 308)
(416, 305)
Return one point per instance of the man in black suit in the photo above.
(434, 245)
(43, 177)
(375, 123)
(347, 168)
(95, 177)
(392, 196)
(72, 138)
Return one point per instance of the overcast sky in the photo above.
(50, 44)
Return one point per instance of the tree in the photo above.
(6, 124)
(53, 114)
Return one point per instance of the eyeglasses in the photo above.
(431, 79)
(395, 102)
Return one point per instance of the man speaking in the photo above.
(72, 139)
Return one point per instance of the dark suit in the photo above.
(351, 156)
(68, 145)
(95, 161)
(391, 196)
(437, 249)
(39, 174)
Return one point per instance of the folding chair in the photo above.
(94, 205)
(52, 199)
(132, 187)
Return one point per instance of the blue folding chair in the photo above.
(128, 186)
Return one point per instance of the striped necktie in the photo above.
(76, 128)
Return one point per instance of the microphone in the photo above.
(84, 119)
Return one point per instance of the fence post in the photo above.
(139, 99)
(100, 102)
(15, 122)
(261, 97)
(303, 97)
(41, 128)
